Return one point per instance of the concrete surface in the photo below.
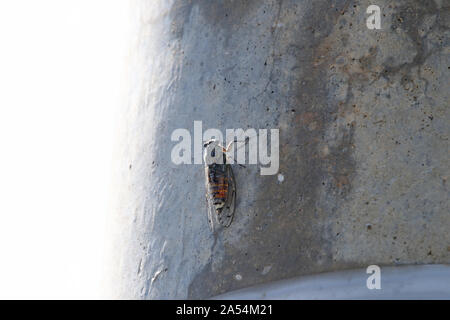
(364, 151)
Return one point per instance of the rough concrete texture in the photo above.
(364, 150)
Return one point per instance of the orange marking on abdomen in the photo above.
(222, 193)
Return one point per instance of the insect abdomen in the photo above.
(218, 185)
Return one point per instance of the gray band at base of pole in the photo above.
(405, 282)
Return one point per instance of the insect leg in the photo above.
(225, 150)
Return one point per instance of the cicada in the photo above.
(220, 185)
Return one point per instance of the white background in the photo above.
(61, 78)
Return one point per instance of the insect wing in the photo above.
(209, 202)
(225, 217)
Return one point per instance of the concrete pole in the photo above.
(363, 116)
